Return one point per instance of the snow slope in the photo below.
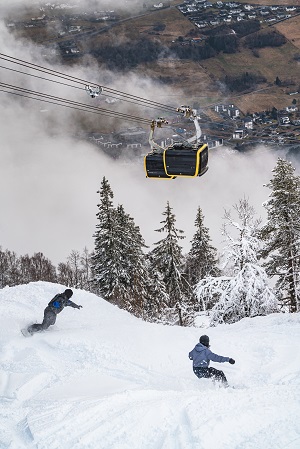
(102, 379)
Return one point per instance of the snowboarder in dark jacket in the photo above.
(54, 307)
(202, 355)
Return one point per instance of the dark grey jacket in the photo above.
(60, 301)
(201, 356)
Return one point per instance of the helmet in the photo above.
(68, 292)
(204, 340)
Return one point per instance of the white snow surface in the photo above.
(103, 379)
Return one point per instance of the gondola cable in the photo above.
(70, 103)
(76, 80)
(68, 85)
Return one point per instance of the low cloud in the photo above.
(8, 6)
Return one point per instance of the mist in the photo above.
(7, 6)
(49, 179)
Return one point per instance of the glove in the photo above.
(231, 361)
(79, 307)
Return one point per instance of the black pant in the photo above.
(210, 373)
(49, 319)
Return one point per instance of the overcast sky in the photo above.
(49, 180)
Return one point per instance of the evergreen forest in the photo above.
(255, 274)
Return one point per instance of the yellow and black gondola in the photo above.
(181, 159)
(177, 160)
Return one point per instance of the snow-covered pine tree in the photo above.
(131, 268)
(281, 234)
(119, 264)
(244, 292)
(167, 259)
(201, 260)
(157, 298)
(105, 251)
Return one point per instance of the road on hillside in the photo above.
(91, 33)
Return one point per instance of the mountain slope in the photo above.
(101, 378)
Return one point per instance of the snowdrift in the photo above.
(100, 378)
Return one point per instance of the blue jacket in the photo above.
(59, 302)
(201, 356)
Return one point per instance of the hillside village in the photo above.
(230, 127)
(274, 127)
(205, 14)
(222, 123)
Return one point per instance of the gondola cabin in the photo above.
(185, 161)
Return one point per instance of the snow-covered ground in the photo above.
(102, 379)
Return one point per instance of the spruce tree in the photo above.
(157, 298)
(131, 266)
(167, 259)
(119, 264)
(201, 261)
(281, 234)
(105, 252)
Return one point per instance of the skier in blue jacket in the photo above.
(55, 306)
(202, 355)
